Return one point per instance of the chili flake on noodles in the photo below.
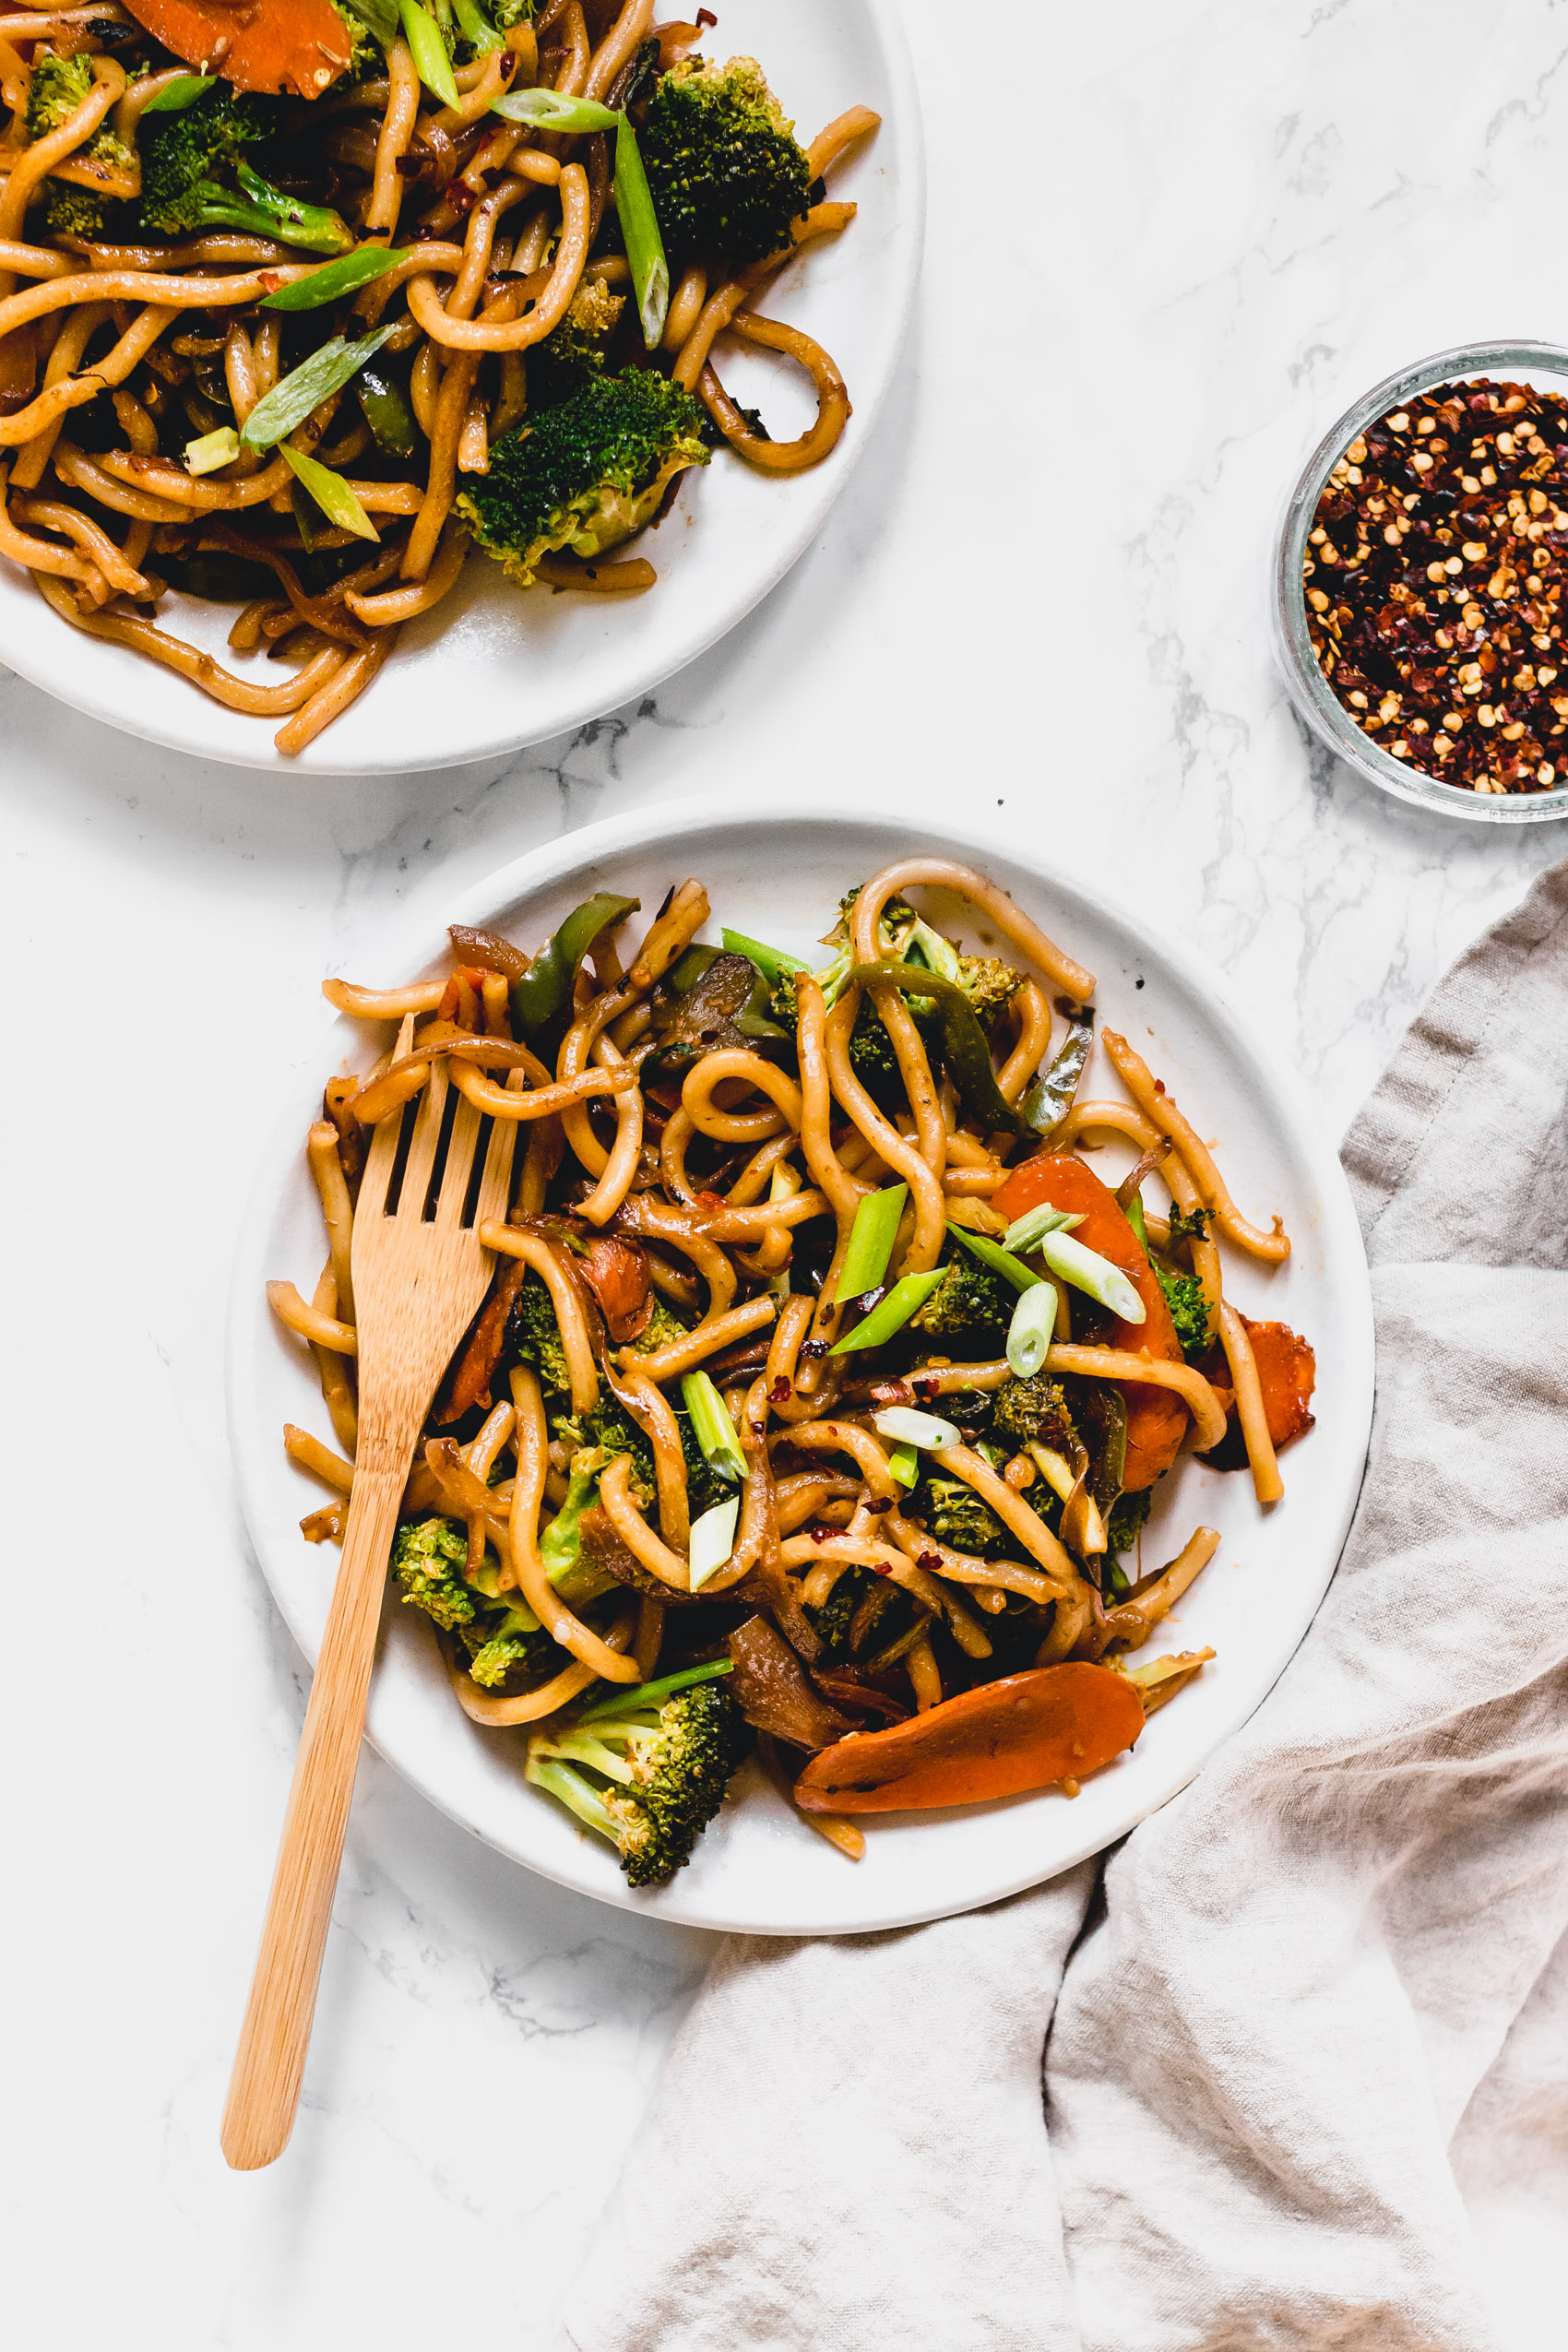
(1436, 575)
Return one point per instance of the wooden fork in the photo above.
(419, 1276)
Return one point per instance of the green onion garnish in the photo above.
(334, 279)
(905, 1464)
(652, 1694)
(1026, 1230)
(331, 494)
(176, 96)
(906, 1299)
(1088, 1271)
(212, 450)
(639, 229)
(378, 17)
(1134, 1212)
(872, 1237)
(550, 110)
(1011, 1269)
(712, 1540)
(304, 389)
(1028, 1334)
(714, 1428)
(771, 962)
(428, 52)
(478, 31)
(928, 1432)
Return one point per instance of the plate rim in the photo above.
(907, 247)
(404, 939)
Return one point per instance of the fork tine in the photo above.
(459, 1165)
(496, 1184)
(384, 1142)
(427, 1134)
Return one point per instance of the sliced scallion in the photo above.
(872, 1237)
(331, 494)
(639, 229)
(653, 1694)
(1089, 1272)
(304, 389)
(906, 1299)
(905, 1464)
(991, 1253)
(428, 52)
(1028, 1334)
(334, 279)
(712, 1540)
(478, 31)
(212, 450)
(1026, 1230)
(550, 110)
(378, 17)
(928, 1432)
(714, 1430)
(176, 96)
(1134, 1212)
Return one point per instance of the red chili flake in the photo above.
(1436, 578)
(926, 1388)
(878, 1504)
(781, 1391)
(815, 1347)
(270, 279)
(818, 1535)
(759, 1428)
(929, 1561)
(712, 1201)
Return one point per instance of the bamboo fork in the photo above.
(419, 1276)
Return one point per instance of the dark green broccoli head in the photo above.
(954, 1515)
(1025, 1409)
(573, 353)
(872, 1060)
(836, 1616)
(660, 1774)
(58, 87)
(727, 173)
(604, 1433)
(511, 1649)
(969, 1311)
(1189, 1312)
(186, 157)
(990, 986)
(586, 474)
(532, 1335)
(1129, 1515)
(428, 1558)
(505, 14)
(662, 1329)
(365, 54)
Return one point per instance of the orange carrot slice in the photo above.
(295, 45)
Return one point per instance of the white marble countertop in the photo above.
(1043, 600)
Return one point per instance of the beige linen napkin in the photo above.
(1305, 2022)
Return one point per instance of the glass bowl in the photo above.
(1541, 365)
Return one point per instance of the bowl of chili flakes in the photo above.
(1421, 585)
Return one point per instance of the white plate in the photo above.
(778, 877)
(493, 667)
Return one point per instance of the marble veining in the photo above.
(1042, 602)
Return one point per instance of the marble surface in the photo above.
(1217, 224)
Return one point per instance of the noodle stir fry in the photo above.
(823, 1386)
(298, 304)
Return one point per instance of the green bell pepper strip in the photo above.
(639, 229)
(334, 279)
(965, 1053)
(544, 992)
(872, 1237)
(1050, 1098)
(771, 962)
(712, 1427)
(906, 1299)
(304, 389)
(653, 1694)
(1002, 1262)
(331, 494)
(176, 96)
(428, 52)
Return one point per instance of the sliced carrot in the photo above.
(295, 45)
(1287, 1374)
(1157, 1420)
(1027, 1731)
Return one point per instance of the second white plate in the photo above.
(779, 877)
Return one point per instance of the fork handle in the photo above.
(264, 2089)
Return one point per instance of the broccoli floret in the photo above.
(836, 1616)
(586, 475)
(509, 1650)
(573, 353)
(988, 984)
(505, 14)
(1025, 1409)
(660, 1770)
(954, 1515)
(182, 152)
(1129, 1513)
(427, 1560)
(1189, 1312)
(365, 54)
(727, 173)
(533, 1336)
(58, 87)
(594, 1440)
(662, 1329)
(970, 1307)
